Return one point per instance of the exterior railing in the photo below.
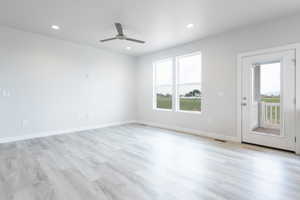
(270, 115)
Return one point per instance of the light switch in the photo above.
(220, 94)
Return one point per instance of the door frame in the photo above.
(240, 56)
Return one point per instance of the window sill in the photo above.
(161, 109)
(190, 112)
(178, 111)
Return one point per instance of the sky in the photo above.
(270, 78)
(189, 72)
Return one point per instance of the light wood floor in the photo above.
(135, 162)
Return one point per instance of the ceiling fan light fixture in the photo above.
(189, 26)
(128, 48)
(120, 35)
(55, 27)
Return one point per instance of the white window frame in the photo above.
(154, 96)
(175, 84)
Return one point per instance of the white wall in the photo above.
(219, 55)
(57, 85)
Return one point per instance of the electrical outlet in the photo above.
(5, 93)
(25, 123)
(209, 120)
(83, 117)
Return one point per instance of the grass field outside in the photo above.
(271, 99)
(186, 104)
(194, 104)
(164, 102)
(190, 104)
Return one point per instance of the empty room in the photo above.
(149, 100)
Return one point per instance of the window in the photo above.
(179, 84)
(163, 84)
(189, 83)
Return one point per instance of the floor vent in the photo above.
(219, 140)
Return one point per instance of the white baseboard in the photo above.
(74, 130)
(67, 131)
(192, 131)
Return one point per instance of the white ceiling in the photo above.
(162, 23)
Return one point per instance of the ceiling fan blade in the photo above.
(119, 28)
(108, 39)
(134, 40)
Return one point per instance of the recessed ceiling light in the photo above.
(190, 26)
(55, 27)
(128, 48)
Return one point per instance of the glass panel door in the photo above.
(268, 99)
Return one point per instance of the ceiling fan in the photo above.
(121, 36)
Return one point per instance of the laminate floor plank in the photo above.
(144, 163)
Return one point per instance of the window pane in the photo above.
(164, 97)
(164, 72)
(190, 69)
(270, 80)
(265, 110)
(190, 97)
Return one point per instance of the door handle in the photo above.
(243, 104)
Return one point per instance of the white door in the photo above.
(268, 99)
